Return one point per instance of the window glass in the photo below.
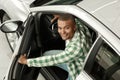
(106, 65)
(62, 2)
(12, 39)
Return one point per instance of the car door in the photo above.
(36, 42)
(16, 70)
(31, 45)
(5, 55)
(102, 63)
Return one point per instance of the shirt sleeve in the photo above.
(71, 51)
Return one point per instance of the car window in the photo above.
(41, 35)
(106, 64)
(44, 38)
(80, 24)
(53, 2)
(12, 40)
(62, 2)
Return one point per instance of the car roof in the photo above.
(106, 11)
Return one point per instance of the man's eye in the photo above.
(67, 27)
(59, 28)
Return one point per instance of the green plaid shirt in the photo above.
(73, 55)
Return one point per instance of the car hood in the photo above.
(106, 11)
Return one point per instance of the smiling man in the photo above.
(66, 27)
(72, 58)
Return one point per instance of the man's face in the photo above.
(66, 29)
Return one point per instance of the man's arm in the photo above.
(72, 51)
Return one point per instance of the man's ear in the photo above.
(75, 28)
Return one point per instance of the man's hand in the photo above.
(22, 59)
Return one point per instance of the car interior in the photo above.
(38, 38)
(106, 64)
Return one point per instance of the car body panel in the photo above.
(13, 7)
(83, 76)
(107, 11)
(16, 10)
(5, 55)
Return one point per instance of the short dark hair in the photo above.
(66, 17)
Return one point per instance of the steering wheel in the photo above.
(54, 29)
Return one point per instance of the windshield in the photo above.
(53, 2)
(62, 2)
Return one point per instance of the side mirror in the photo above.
(10, 26)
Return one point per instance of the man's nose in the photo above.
(62, 31)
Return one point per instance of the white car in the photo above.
(101, 17)
(10, 9)
(16, 10)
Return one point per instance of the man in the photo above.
(78, 43)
